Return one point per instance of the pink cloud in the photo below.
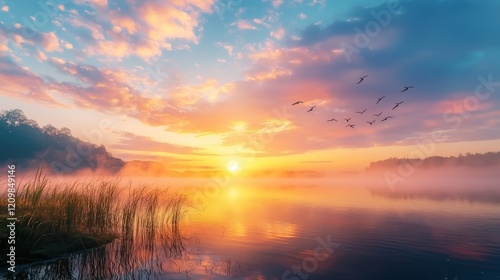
(146, 29)
(51, 42)
(20, 82)
(41, 56)
(275, 3)
(244, 25)
(278, 34)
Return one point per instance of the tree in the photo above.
(50, 130)
(14, 117)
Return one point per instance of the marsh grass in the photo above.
(57, 219)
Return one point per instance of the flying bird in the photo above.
(312, 108)
(407, 88)
(298, 102)
(380, 99)
(362, 78)
(331, 120)
(371, 123)
(386, 118)
(361, 111)
(347, 120)
(397, 104)
(378, 115)
(350, 125)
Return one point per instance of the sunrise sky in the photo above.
(203, 83)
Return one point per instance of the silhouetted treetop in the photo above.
(28, 145)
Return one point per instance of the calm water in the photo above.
(279, 230)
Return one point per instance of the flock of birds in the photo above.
(352, 125)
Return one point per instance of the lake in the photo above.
(319, 229)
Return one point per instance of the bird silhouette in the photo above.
(397, 104)
(331, 120)
(407, 88)
(361, 111)
(380, 99)
(386, 118)
(298, 102)
(362, 78)
(312, 108)
(350, 125)
(378, 115)
(347, 120)
(371, 123)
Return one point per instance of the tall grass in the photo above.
(55, 219)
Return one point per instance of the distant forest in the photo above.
(26, 144)
(468, 160)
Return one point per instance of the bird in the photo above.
(378, 115)
(350, 125)
(347, 120)
(397, 104)
(407, 88)
(361, 111)
(331, 120)
(386, 118)
(312, 108)
(298, 102)
(371, 123)
(362, 78)
(380, 99)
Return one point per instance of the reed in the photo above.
(56, 219)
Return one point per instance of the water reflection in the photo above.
(273, 228)
(484, 194)
(262, 231)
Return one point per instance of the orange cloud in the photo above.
(154, 26)
(123, 22)
(209, 91)
(51, 42)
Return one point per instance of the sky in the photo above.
(208, 84)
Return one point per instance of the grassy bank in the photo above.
(57, 219)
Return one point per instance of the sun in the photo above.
(233, 166)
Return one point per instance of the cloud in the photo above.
(99, 3)
(317, 2)
(244, 25)
(313, 68)
(276, 3)
(418, 48)
(21, 83)
(228, 47)
(132, 142)
(278, 34)
(58, 60)
(41, 56)
(143, 29)
(51, 42)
